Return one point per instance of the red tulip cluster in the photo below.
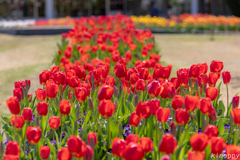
(101, 88)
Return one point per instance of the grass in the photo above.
(23, 57)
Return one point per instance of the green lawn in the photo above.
(23, 57)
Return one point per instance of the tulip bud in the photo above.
(27, 85)
(213, 116)
(37, 120)
(190, 82)
(136, 100)
(130, 96)
(235, 101)
(116, 102)
(25, 92)
(120, 129)
(115, 91)
(192, 116)
(173, 130)
(1, 149)
(92, 79)
(92, 143)
(196, 86)
(90, 103)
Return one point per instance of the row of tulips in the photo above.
(109, 97)
(189, 22)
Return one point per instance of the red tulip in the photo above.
(146, 144)
(42, 108)
(92, 136)
(133, 151)
(19, 122)
(18, 92)
(44, 152)
(75, 144)
(226, 77)
(132, 138)
(64, 154)
(182, 116)
(168, 144)
(88, 154)
(212, 93)
(94, 49)
(144, 73)
(134, 119)
(194, 71)
(143, 110)
(154, 105)
(82, 152)
(73, 81)
(235, 101)
(216, 66)
(203, 68)
(202, 79)
(213, 116)
(156, 73)
(168, 90)
(199, 141)
(177, 102)
(144, 53)
(118, 147)
(65, 107)
(27, 114)
(164, 72)
(174, 81)
(191, 102)
(86, 86)
(154, 89)
(106, 108)
(211, 131)
(44, 76)
(217, 145)
(13, 105)
(54, 122)
(195, 155)
(183, 78)
(10, 157)
(110, 81)
(59, 78)
(205, 106)
(40, 94)
(12, 148)
(233, 151)
(163, 114)
(236, 115)
(140, 85)
(105, 92)
(33, 134)
(120, 70)
(213, 78)
(80, 72)
(51, 89)
(81, 94)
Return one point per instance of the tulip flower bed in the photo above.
(109, 97)
(188, 22)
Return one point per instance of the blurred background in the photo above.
(24, 9)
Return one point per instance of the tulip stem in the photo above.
(109, 134)
(227, 98)
(61, 117)
(236, 142)
(53, 138)
(15, 125)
